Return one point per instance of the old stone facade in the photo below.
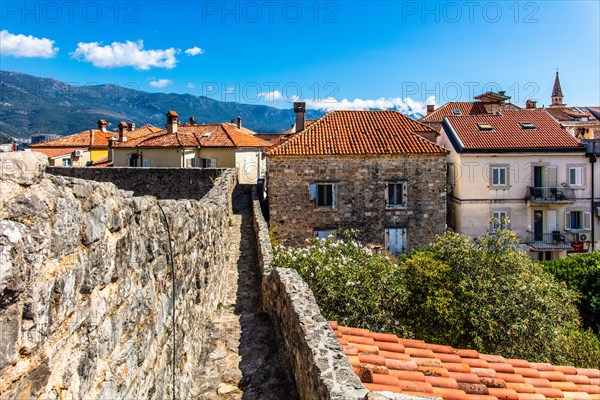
(360, 190)
(86, 289)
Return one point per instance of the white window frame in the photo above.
(500, 215)
(585, 221)
(66, 162)
(403, 187)
(579, 174)
(314, 194)
(498, 168)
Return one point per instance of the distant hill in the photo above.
(30, 105)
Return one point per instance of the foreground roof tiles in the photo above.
(385, 362)
(206, 135)
(357, 133)
(56, 151)
(507, 132)
(87, 138)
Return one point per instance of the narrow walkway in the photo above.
(244, 358)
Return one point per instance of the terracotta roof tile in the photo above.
(507, 132)
(447, 110)
(55, 152)
(412, 367)
(87, 138)
(359, 132)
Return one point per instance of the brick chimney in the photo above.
(122, 128)
(92, 137)
(111, 143)
(300, 110)
(102, 125)
(239, 122)
(192, 120)
(531, 104)
(430, 108)
(131, 126)
(172, 122)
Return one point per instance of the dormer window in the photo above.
(527, 125)
(457, 112)
(485, 127)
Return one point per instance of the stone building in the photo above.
(366, 170)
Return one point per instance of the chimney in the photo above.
(131, 126)
(172, 122)
(430, 108)
(531, 104)
(501, 92)
(192, 120)
(239, 122)
(300, 110)
(102, 125)
(92, 137)
(233, 120)
(122, 128)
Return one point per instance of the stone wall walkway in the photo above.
(244, 358)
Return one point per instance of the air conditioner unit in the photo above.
(78, 153)
(582, 237)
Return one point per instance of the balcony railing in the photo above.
(551, 195)
(555, 240)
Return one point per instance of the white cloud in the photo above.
(26, 46)
(128, 54)
(161, 83)
(271, 96)
(405, 106)
(194, 51)
(190, 85)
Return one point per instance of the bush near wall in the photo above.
(487, 295)
(581, 273)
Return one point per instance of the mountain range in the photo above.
(31, 105)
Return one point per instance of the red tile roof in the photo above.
(359, 132)
(80, 139)
(447, 110)
(385, 362)
(571, 113)
(507, 132)
(55, 151)
(102, 163)
(206, 135)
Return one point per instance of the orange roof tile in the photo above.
(507, 133)
(380, 370)
(206, 135)
(359, 132)
(447, 110)
(80, 139)
(55, 151)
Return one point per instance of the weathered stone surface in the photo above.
(24, 168)
(86, 288)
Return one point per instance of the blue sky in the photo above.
(373, 54)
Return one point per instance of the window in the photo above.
(578, 220)
(395, 240)
(499, 220)
(485, 127)
(323, 233)
(395, 194)
(146, 163)
(527, 125)
(66, 162)
(201, 162)
(133, 160)
(323, 194)
(499, 176)
(576, 176)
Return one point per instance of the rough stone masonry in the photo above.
(86, 288)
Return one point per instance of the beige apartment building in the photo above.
(522, 167)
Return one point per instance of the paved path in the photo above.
(244, 357)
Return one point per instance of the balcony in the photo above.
(556, 240)
(551, 195)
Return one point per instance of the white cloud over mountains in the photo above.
(405, 106)
(26, 46)
(127, 54)
(160, 83)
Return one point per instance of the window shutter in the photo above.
(587, 221)
(333, 195)
(568, 220)
(212, 162)
(404, 193)
(312, 190)
(387, 194)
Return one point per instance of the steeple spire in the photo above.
(557, 94)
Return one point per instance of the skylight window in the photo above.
(457, 112)
(485, 127)
(527, 125)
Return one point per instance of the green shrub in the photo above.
(581, 273)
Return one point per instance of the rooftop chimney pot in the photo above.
(531, 104)
(239, 122)
(131, 126)
(300, 110)
(192, 120)
(172, 122)
(122, 128)
(430, 108)
(102, 125)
